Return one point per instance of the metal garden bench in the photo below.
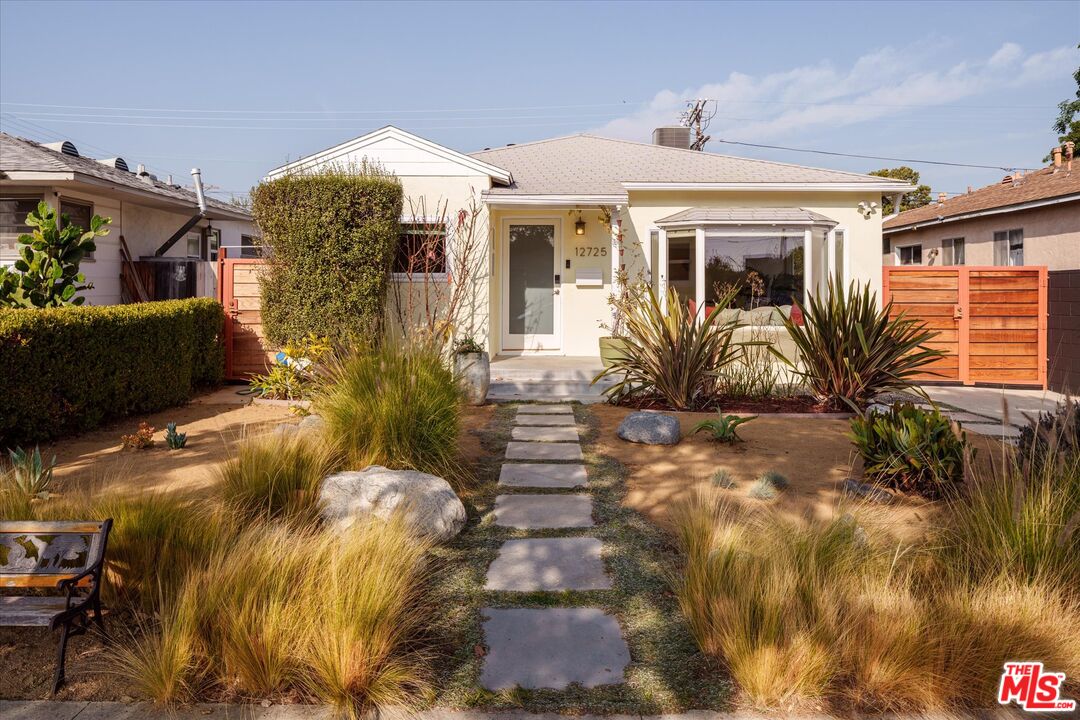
(68, 556)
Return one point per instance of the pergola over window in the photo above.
(773, 255)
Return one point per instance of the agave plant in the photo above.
(30, 475)
(723, 428)
(669, 356)
(849, 350)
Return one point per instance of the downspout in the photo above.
(201, 199)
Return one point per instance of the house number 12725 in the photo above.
(591, 251)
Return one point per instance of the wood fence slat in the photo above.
(1005, 296)
(1003, 310)
(999, 348)
(1005, 361)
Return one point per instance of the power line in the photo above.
(329, 112)
(324, 127)
(875, 157)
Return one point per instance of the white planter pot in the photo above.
(473, 371)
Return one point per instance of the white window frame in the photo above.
(449, 232)
(1008, 245)
(898, 248)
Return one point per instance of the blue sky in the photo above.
(239, 88)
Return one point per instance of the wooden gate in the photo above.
(991, 321)
(238, 291)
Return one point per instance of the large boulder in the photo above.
(650, 428)
(431, 508)
(312, 424)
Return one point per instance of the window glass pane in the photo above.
(532, 280)
(249, 248)
(213, 242)
(13, 212)
(768, 270)
(194, 245)
(952, 251)
(421, 249)
(1001, 250)
(838, 271)
(1016, 247)
(78, 213)
(910, 255)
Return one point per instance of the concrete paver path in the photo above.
(542, 475)
(551, 564)
(534, 512)
(545, 434)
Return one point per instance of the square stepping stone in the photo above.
(551, 648)
(532, 512)
(545, 410)
(997, 430)
(545, 420)
(542, 475)
(545, 434)
(518, 450)
(548, 564)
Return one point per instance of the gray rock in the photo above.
(650, 428)
(866, 492)
(877, 409)
(312, 423)
(431, 508)
(286, 429)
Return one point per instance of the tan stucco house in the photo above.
(1026, 219)
(147, 212)
(565, 216)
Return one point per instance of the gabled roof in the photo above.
(339, 152)
(1041, 187)
(745, 216)
(19, 155)
(591, 165)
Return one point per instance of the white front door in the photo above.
(531, 310)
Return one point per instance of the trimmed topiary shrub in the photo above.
(331, 237)
(70, 369)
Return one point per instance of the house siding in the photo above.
(1051, 237)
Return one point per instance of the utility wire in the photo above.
(875, 157)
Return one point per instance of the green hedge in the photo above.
(68, 370)
(330, 239)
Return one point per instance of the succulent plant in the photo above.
(30, 475)
(175, 440)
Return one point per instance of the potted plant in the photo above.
(472, 366)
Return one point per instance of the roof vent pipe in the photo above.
(1056, 155)
(197, 174)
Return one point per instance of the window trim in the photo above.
(19, 196)
(448, 234)
(1008, 245)
(899, 260)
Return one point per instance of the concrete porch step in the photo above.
(550, 369)
(532, 390)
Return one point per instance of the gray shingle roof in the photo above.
(592, 165)
(705, 216)
(20, 154)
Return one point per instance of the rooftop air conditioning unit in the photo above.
(675, 136)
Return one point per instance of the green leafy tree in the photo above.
(916, 198)
(47, 271)
(1067, 125)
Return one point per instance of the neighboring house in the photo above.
(145, 212)
(1031, 219)
(689, 220)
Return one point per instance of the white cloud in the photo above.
(885, 83)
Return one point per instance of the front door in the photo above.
(531, 310)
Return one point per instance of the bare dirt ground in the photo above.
(94, 462)
(813, 453)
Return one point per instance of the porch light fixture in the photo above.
(579, 226)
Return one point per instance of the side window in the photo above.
(13, 212)
(952, 251)
(910, 254)
(249, 246)
(421, 249)
(1009, 247)
(78, 214)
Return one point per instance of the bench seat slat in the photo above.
(38, 580)
(46, 527)
(29, 611)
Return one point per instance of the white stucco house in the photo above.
(564, 216)
(147, 213)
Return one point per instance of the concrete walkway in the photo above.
(993, 411)
(549, 647)
(70, 710)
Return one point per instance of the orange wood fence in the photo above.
(238, 291)
(990, 321)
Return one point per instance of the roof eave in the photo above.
(999, 210)
(507, 199)
(772, 187)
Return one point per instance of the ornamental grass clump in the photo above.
(849, 349)
(396, 405)
(668, 358)
(276, 477)
(809, 612)
(912, 450)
